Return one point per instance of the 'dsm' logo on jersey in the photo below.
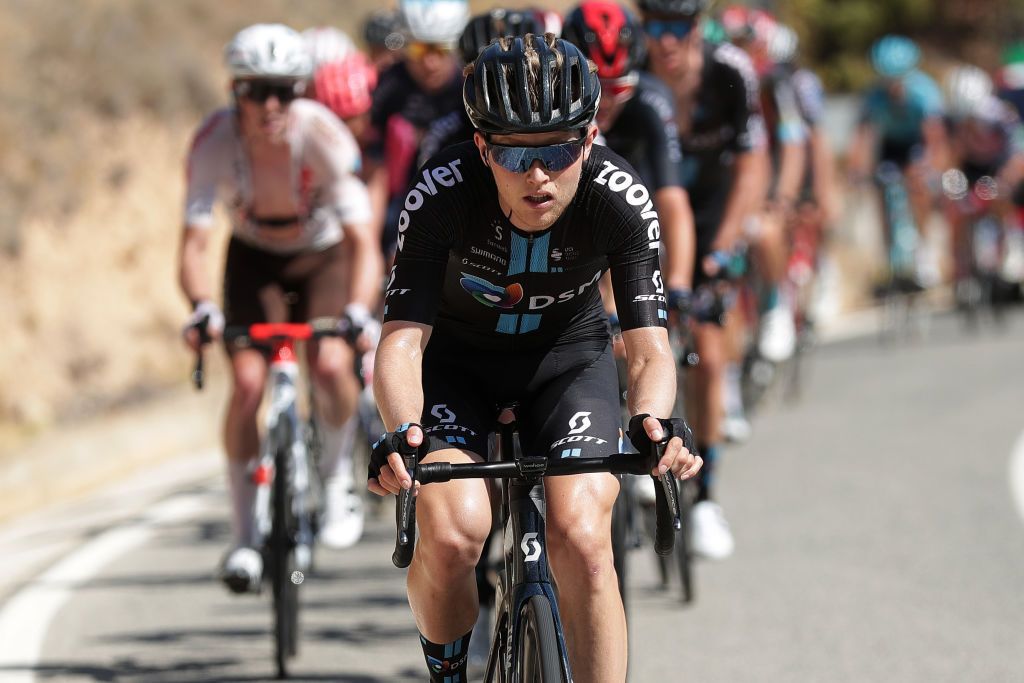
(492, 295)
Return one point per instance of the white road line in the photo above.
(26, 617)
(1017, 474)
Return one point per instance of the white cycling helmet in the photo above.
(968, 88)
(782, 44)
(327, 44)
(435, 21)
(268, 51)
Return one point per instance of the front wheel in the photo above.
(281, 556)
(539, 660)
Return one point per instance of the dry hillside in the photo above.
(94, 126)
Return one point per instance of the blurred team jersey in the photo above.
(645, 134)
(727, 121)
(901, 121)
(327, 194)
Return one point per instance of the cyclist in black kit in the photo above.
(637, 119)
(501, 244)
(722, 134)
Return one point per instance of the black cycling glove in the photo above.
(394, 442)
(674, 426)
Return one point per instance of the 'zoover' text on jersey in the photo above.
(465, 269)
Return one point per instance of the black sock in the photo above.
(706, 475)
(447, 662)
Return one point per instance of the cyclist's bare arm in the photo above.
(678, 234)
(861, 151)
(748, 193)
(792, 165)
(193, 275)
(938, 154)
(367, 265)
(397, 387)
(652, 390)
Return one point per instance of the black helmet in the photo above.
(609, 34)
(383, 28)
(687, 8)
(497, 91)
(483, 28)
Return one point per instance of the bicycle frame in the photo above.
(283, 451)
(527, 575)
(523, 509)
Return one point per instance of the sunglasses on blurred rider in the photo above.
(261, 91)
(679, 28)
(420, 50)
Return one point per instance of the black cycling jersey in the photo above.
(397, 93)
(645, 134)
(726, 121)
(444, 132)
(465, 269)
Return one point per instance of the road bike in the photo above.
(900, 289)
(289, 492)
(528, 642)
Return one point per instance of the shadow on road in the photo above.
(131, 671)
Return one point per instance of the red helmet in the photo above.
(346, 86)
(609, 34)
(744, 24)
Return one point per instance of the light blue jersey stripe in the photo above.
(507, 323)
(531, 321)
(517, 260)
(539, 255)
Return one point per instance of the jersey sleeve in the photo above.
(664, 151)
(203, 173)
(741, 81)
(810, 94)
(426, 234)
(791, 129)
(632, 235)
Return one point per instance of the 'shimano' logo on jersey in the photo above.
(492, 295)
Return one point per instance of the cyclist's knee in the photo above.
(249, 373)
(452, 547)
(581, 549)
(333, 358)
(711, 347)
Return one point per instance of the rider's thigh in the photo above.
(249, 375)
(454, 518)
(579, 517)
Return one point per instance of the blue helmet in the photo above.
(894, 56)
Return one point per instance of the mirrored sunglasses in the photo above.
(420, 50)
(261, 91)
(679, 28)
(552, 157)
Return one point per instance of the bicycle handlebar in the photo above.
(666, 495)
(270, 332)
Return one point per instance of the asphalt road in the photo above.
(878, 539)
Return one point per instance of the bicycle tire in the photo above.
(539, 659)
(282, 564)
